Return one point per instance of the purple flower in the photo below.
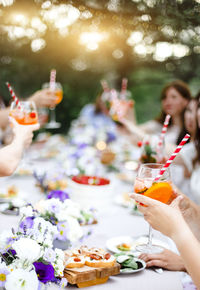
(110, 137)
(27, 223)
(3, 273)
(61, 195)
(63, 229)
(44, 272)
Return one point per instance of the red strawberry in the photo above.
(32, 115)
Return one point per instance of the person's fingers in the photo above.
(156, 263)
(142, 209)
(34, 127)
(144, 199)
(176, 201)
(149, 257)
(13, 121)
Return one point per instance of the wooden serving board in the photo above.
(88, 276)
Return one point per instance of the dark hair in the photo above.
(184, 91)
(197, 135)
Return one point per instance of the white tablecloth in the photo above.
(112, 221)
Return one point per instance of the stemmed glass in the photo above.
(161, 190)
(59, 96)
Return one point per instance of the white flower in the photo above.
(22, 280)
(75, 232)
(6, 239)
(59, 254)
(27, 211)
(27, 249)
(18, 202)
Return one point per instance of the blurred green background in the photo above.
(80, 66)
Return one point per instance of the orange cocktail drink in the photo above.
(26, 114)
(161, 191)
(59, 96)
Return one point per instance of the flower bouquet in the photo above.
(53, 180)
(66, 216)
(27, 258)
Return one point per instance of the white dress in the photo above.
(188, 154)
(154, 127)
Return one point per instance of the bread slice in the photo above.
(101, 263)
(75, 262)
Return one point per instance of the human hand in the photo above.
(167, 260)
(165, 218)
(23, 133)
(44, 98)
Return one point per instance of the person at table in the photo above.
(174, 99)
(11, 154)
(96, 114)
(42, 98)
(170, 221)
(189, 156)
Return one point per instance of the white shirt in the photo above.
(154, 127)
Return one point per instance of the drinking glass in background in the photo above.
(120, 104)
(59, 96)
(151, 151)
(161, 190)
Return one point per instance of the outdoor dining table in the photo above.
(113, 221)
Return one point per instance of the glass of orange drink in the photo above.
(160, 190)
(59, 96)
(26, 114)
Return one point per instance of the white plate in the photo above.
(112, 243)
(130, 271)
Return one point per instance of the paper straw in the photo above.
(15, 99)
(105, 86)
(173, 156)
(53, 79)
(163, 132)
(124, 85)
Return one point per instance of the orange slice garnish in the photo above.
(161, 191)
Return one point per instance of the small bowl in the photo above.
(131, 271)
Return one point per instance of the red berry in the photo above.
(32, 115)
(139, 144)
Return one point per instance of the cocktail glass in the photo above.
(59, 96)
(26, 114)
(161, 190)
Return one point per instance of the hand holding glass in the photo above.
(161, 190)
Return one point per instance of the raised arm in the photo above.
(11, 155)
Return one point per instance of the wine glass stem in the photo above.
(52, 115)
(150, 237)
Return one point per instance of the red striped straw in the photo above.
(163, 132)
(124, 85)
(15, 99)
(53, 79)
(105, 86)
(173, 156)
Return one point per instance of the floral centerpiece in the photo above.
(27, 257)
(52, 180)
(65, 214)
